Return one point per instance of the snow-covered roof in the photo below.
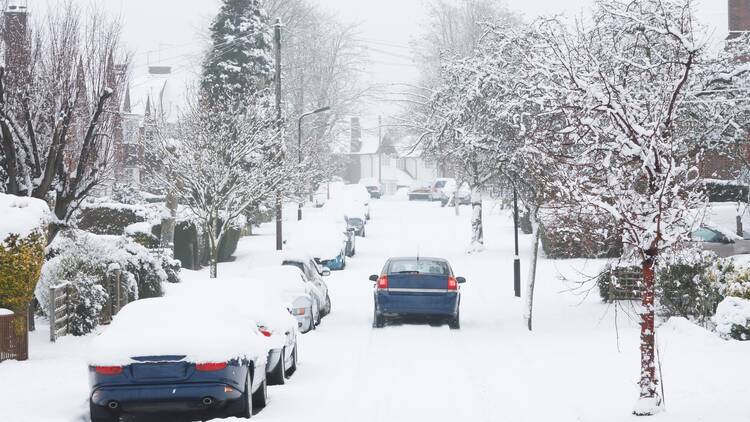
(22, 215)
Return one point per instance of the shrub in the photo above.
(84, 260)
(21, 262)
(722, 192)
(732, 318)
(579, 234)
(619, 283)
(108, 219)
(689, 288)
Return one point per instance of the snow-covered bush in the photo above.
(85, 259)
(721, 191)
(732, 318)
(108, 218)
(615, 283)
(580, 233)
(127, 194)
(689, 284)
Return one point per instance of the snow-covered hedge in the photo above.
(732, 318)
(579, 233)
(724, 191)
(84, 259)
(21, 249)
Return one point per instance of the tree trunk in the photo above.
(168, 224)
(649, 402)
(213, 249)
(477, 229)
(532, 277)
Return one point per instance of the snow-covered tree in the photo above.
(239, 63)
(220, 163)
(619, 81)
(57, 126)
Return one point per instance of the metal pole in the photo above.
(516, 259)
(277, 43)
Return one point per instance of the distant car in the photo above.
(462, 194)
(313, 274)
(374, 191)
(359, 194)
(713, 240)
(418, 192)
(357, 224)
(168, 355)
(442, 188)
(417, 286)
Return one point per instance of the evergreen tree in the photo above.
(240, 62)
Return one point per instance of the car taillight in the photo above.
(383, 282)
(452, 283)
(211, 366)
(297, 311)
(265, 331)
(108, 370)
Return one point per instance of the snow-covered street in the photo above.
(572, 367)
(568, 369)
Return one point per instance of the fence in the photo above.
(59, 311)
(627, 285)
(14, 337)
(117, 294)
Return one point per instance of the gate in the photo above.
(59, 313)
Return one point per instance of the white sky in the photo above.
(173, 31)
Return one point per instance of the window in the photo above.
(401, 164)
(385, 160)
(429, 164)
(418, 266)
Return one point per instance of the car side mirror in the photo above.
(326, 272)
(374, 277)
(460, 280)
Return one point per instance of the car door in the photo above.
(318, 289)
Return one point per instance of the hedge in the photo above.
(21, 261)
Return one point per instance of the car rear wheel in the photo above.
(293, 366)
(247, 398)
(328, 305)
(455, 322)
(260, 397)
(277, 375)
(378, 320)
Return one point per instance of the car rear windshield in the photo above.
(706, 235)
(440, 184)
(418, 266)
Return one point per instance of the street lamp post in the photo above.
(299, 146)
(516, 259)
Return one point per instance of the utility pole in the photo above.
(516, 259)
(380, 153)
(277, 80)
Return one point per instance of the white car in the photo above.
(326, 239)
(254, 300)
(291, 285)
(359, 194)
(314, 274)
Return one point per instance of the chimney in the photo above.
(18, 47)
(356, 135)
(739, 17)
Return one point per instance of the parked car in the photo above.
(176, 356)
(713, 240)
(306, 300)
(442, 188)
(420, 192)
(325, 240)
(313, 274)
(373, 187)
(417, 286)
(359, 195)
(256, 301)
(462, 194)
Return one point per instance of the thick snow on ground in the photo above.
(21, 215)
(581, 362)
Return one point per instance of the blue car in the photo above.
(165, 357)
(416, 286)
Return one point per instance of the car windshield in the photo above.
(418, 266)
(440, 184)
(706, 235)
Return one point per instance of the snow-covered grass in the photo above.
(581, 362)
